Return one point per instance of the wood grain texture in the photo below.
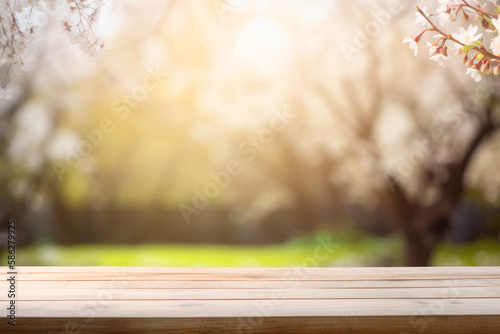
(283, 273)
(117, 283)
(249, 294)
(254, 300)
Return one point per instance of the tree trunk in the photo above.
(424, 235)
(418, 251)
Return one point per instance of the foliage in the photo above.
(354, 250)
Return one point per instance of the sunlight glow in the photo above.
(263, 44)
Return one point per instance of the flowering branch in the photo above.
(481, 48)
(18, 29)
(466, 41)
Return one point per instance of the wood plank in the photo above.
(302, 273)
(269, 308)
(303, 325)
(250, 294)
(453, 271)
(250, 284)
(221, 277)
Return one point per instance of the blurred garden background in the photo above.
(249, 133)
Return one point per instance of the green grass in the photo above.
(342, 249)
(480, 253)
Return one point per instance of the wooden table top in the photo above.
(253, 300)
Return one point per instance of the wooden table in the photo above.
(253, 300)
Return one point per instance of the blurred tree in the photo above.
(422, 190)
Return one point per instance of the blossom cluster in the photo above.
(480, 59)
(83, 14)
(18, 26)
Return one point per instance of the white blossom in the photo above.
(475, 74)
(495, 45)
(444, 13)
(5, 94)
(439, 57)
(432, 49)
(444, 18)
(422, 20)
(496, 23)
(413, 44)
(467, 37)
